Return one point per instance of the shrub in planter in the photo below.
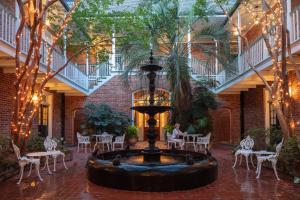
(259, 136)
(132, 135)
(8, 161)
(35, 143)
(102, 118)
(290, 157)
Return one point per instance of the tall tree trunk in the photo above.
(282, 120)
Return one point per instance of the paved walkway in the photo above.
(231, 184)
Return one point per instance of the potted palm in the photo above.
(132, 135)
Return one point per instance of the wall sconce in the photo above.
(35, 98)
(290, 90)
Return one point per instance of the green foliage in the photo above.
(291, 155)
(131, 132)
(259, 137)
(275, 135)
(169, 128)
(35, 143)
(101, 117)
(5, 144)
(197, 119)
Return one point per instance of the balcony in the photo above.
(71, 76)
(258, 56)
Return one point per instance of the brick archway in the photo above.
(222, 123)
(78, 119)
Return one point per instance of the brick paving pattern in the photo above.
(231, 184)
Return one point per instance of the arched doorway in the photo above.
(222, 125)
(78, 121)
(141, 97)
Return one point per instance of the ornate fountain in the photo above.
(151, 153)
(152, 169)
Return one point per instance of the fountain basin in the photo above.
(151, 109)
(171, 173)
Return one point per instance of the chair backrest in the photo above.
(82, 139)
(169, 138)
(120, 139)
(106, 138)
(278, 148)
(247, 143)
(78, 136)
(50, 144)
(204, 139)
(17, 151)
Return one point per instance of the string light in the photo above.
(28, 94)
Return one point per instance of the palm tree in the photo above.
(164, 29)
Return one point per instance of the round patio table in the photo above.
(40, 154)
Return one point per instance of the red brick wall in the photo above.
(229, 112)
(6, 99)
(114, 93)
(254, 111)
(295, 91)
(56, 116)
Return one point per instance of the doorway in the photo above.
(141, 97)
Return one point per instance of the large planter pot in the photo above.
(132, 141)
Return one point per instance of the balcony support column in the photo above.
(113, 51)
(87, 62)
(189, 43)
(239, 41)
(289, 17)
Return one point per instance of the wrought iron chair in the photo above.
(174, 142)
(84, 141)
(200, 141)
(271, 158)
(104, 140)
(246, 151)
(23, 161)
(50, 146)
(119, 141)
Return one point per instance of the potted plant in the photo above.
(168, 130)
(132, 135)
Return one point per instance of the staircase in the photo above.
(99, 74)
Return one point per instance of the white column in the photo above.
(189, 43)
(239, 40)
(216, 59)
(17, 14)
(113, 50)
(288, 16)
(50, 114)
(87, 62)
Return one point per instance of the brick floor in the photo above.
(231, 184)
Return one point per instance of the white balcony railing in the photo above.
(8, 24)
(258, 53)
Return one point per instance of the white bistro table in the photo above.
(40, 154)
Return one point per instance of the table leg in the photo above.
(30, 169)
(37, 167)
(63, 157)
(54, 163)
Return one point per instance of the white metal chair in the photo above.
(84, 141)
(104, 140)
(174, 142)
(23, 161)
(246, 151)
(50, 146)
(200, 141)
(119, 141)
(272, 158)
